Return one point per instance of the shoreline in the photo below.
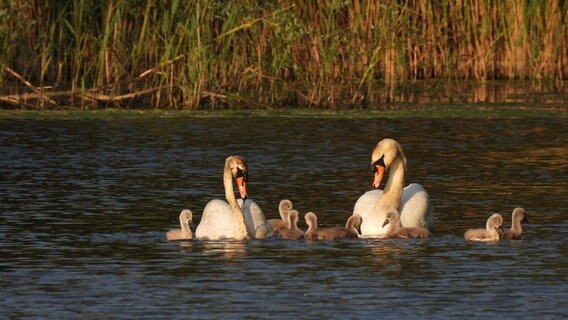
(441, 111)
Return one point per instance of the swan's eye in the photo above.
(242, 173)
(380, 162)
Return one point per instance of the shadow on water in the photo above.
(85, 205)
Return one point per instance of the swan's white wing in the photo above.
(366, 202)
(372, 223)
(257, 225)
(415, 208)
(217, 222)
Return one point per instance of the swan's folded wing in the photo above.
(217, 222)
(415, 208)
(366, 202)
(257, 224)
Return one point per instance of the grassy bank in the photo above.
(432, 112)
(212, 54)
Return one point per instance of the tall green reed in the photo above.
(212, 53)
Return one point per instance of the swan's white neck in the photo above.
(241, 232)
(390, 199)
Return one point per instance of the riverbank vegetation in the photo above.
(210, 54)
(430, 111)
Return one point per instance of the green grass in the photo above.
(214, 54)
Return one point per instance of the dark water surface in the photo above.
(85, 204)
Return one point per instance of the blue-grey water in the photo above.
(85, 204)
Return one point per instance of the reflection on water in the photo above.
(481, 92)
(227, 249)
(85, 205)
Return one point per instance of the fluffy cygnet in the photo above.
(492, 231)
(333, 233)
(396, 231)
(185, 232)
(516, 230)
(292, 232)
(284, 209)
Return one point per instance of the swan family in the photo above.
(395, 212)
(233, 219)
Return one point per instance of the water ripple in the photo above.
(85, 205)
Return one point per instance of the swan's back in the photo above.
(365, 203)
(217, 222)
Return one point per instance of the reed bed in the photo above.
(262, 54)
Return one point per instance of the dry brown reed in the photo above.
(324, 53)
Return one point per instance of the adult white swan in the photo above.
(232, 220)
(412, 202)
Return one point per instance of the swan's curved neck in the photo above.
(185, 231)
(516, 226)
(241, 232)
(393, 190)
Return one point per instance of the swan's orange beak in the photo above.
(379, 174)
(242, 184)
